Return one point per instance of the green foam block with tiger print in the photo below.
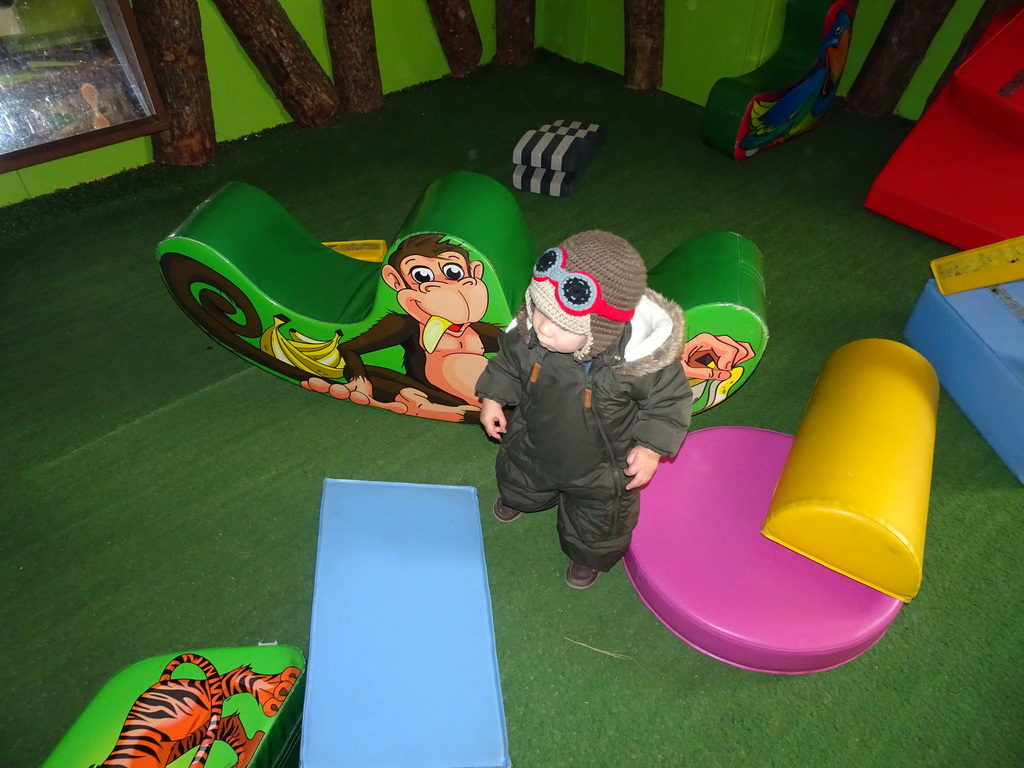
(213, 708)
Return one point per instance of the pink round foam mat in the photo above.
(699, 562)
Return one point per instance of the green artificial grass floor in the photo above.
(161, 494)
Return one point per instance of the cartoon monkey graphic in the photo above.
(442, 336)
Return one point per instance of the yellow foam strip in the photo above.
(1001, 262)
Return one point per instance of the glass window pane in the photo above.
(68, 68)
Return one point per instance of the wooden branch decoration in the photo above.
(283, 58)
(645, 43)
(353, 48)
(515, 26)
(172, 33)
(896, 54)
(458, 34)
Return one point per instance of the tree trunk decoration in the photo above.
(645, 43)
(283, 58)
(515, 24)
(172, 33)
(896, 54)
(457, 32)
(353, 48)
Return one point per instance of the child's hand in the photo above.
(641, 464)
(492, 418)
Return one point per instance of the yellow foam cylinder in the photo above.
(853, 494)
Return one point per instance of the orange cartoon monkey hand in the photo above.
(724, 351)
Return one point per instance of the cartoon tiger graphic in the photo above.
(176, 715)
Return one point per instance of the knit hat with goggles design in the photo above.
(589, 285)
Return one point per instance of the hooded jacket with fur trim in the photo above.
(572, 419)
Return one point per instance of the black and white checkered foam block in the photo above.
(544, 181)
(552, 159)
(561, 146)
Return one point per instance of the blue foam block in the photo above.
(975, 342)
(402, 667)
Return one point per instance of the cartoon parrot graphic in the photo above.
(774, 117)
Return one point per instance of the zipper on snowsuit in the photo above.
(616, 470)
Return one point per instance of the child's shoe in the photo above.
(579, 576)
(503, 513)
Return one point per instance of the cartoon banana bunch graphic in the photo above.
(321, 358)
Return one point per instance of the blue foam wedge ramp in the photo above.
(975, 342)
(402, 669)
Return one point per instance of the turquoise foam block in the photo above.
(402, 666)
(975, 342)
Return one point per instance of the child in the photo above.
(591, 363)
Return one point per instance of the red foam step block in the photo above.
(954, 177)
(989, 85)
